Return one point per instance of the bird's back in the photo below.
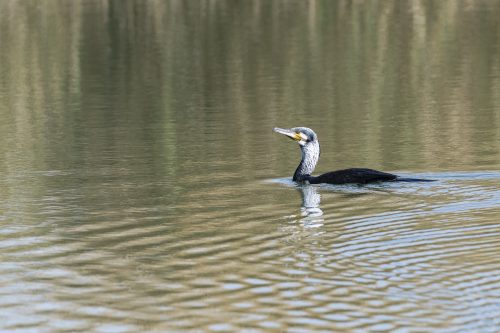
(353, 175)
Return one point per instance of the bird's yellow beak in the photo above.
(291, 134)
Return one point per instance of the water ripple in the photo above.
(383, 258)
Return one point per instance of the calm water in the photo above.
(143, 190)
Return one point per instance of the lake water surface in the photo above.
(143, 190)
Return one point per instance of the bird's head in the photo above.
(302, 135)
(309, 146)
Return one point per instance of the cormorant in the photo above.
(309, 145)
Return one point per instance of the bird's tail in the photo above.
(404, 179)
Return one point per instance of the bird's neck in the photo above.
(310, 156)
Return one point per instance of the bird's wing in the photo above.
(354, 175)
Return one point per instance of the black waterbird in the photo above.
(309, 145)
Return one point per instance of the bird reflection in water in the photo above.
(310, 210)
